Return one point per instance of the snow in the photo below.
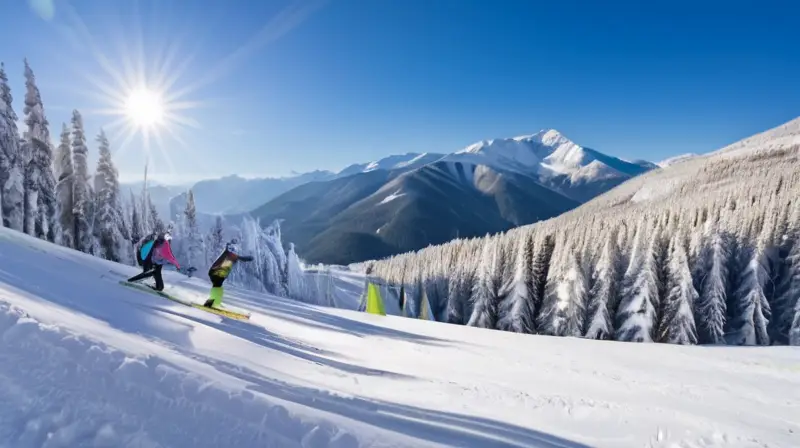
(546, 153)
(651, 191)
(784, 136)
(398, 161)
(391, 197)
(87, 362)
(677, 159)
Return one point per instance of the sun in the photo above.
(144, 107)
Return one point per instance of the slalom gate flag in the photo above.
(374, 301)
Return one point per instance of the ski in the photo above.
(213, 310)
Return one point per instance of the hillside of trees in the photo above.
(704, 252)
(49, 192)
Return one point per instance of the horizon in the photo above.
(267, 90)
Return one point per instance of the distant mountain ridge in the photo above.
(489, 186)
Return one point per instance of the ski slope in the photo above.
(87, 362)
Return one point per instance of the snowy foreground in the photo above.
(87, 362)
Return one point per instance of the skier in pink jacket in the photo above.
(159, 254)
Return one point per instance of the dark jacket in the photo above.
(224, 263)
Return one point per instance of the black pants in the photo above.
(216, 281)
(150, 270)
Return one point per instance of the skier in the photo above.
(155, 251)
(220, 269)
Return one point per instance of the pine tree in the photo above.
(154, 222)
(82, 235)
(792, 295)
(486, 291)
(65, 189)
(603, 292)
(751, 312)
(296, 283)
(193, 239)
(786, 281)
(137, 229)
(215, 241)
(460, 291)
(678, 323)
(517, 310)
(564, 310)
(637, 314)
(711, 307)
(108, 212)
(11, 160)
(40, 207)
(541, 270)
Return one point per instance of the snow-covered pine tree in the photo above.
(792, 293)
(192, 237)
(108, 213)
(65, 189)
(274, 257)
(783, 264)
(137, 229)
(603, 293)
(12, 171)
(637, 314)
(82, 235)
(214, 241)
(517, 309)
(296, 281)
(564, 309)
(677, 325)
(486, 290)
(544, 249)
(40, 182)
(750, 312)
(154, 222)
(462, 280)
(711, 306)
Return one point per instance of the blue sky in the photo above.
(273, 87)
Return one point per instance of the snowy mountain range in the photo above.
(235, 194)
(489, 186)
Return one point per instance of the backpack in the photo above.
(144, 249)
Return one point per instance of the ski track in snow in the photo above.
(66, 390)
(87, 362)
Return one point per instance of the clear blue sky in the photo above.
(355, 80)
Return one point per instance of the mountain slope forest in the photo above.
(706, 251)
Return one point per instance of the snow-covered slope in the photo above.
(677, 159)
(692, 172)
(86, 362)
(784, 136)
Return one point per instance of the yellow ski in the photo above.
(217, 311)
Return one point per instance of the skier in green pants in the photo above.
(220, 269)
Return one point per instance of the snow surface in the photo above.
(784, 136)
(391, 197)
(407, 161)
(677, 159)
(87, 362)
(546, 153)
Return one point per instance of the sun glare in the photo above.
(145, 108)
